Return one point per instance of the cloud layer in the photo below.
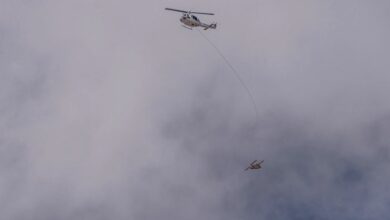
(111, 110)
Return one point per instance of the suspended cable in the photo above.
(234, 72)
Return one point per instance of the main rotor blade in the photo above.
(253, 162)
(201, 13)
(172, 9)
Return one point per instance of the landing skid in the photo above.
(187, 27)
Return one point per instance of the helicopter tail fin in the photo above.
(212, 26)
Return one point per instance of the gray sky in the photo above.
(112, 110)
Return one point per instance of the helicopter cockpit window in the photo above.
(195, 18)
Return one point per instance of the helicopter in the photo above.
(254, 165)
(190, 20)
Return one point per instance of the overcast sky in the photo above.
(112, 110)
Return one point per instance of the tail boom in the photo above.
(212, 26)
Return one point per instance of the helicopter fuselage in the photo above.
(190, 20)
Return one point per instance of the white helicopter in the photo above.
(254, 165)
(189, 20)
